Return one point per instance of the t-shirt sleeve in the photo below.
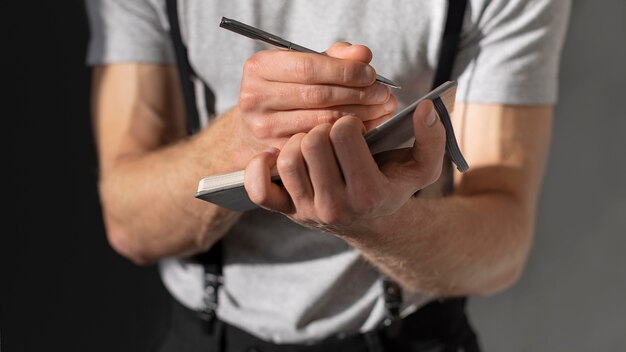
(510, 51)
(127, 31)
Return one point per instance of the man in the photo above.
(308, 265)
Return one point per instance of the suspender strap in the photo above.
(450, 41)
(212, 280)
(185, 72)
(212, 259)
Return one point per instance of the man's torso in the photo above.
(283, 282)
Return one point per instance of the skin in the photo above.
(142, 147)
(473, 242)
(305, 115)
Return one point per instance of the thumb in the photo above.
(430, 141)
(347, 51)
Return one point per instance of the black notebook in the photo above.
(227, 190)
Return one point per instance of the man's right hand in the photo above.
(140, 132)
(285, 92)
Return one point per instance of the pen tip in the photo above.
(388, 82)
(392, 85)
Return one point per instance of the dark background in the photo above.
(63, 288)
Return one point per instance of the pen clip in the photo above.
(254, 33)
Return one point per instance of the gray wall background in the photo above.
(572, 296)
(67, 292)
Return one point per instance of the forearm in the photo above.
(458, 245)
(148, 202)
(477, 240)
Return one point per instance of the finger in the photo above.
(293, 172)
(429, 147)
(371, 124)
(289, 96)
(326, 178)
(390, 108)
(355, 160)
(347, 51)
(287, 123)
(306, 68)
(339, 44)
(259, 186)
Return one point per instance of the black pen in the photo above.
(276, 41)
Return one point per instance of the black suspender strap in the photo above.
(212, 279)
(185, 72)
(212, 259)
(450, 41)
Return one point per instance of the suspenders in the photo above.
(212, 260)
(450, 41)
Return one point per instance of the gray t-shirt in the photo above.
(283, 282)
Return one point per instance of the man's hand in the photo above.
(284, 93)
(139, 122)
(330, 178)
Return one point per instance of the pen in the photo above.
(276, 41)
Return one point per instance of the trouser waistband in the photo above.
(440, 326)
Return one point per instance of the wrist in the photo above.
(219, 148)
(385, 226)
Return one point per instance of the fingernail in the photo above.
(431, 119)
(271, 150)
(368, 74)
(382, 93)
(389, 106)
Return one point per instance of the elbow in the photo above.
(120, 236)
(122, 242)
(509, 265)
(501, 281)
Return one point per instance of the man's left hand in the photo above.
(331, 180)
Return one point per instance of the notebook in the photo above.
(227, 190)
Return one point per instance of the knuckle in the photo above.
(259, 126)
(312, 143)
(333, 213)
(327, 116)
(287, 165)
(316, 96)
(305, 68)
(347, 126)
(252, 65)
(351, 73)
(338, 135)
(249, 99)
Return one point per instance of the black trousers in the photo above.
(441, 326)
